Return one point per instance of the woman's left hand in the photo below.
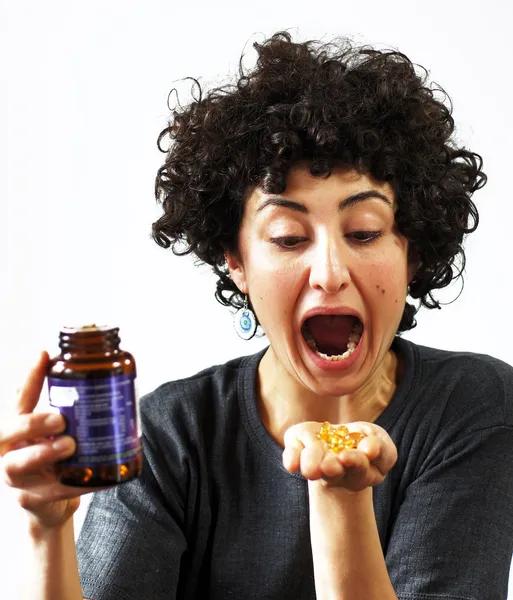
(353, 470)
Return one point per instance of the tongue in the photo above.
(331, 332)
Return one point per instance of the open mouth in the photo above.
(332, 337)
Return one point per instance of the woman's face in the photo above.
(324, 266)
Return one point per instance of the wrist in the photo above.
(322, 488)
(44, 534)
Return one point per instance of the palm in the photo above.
(353, 469)
(56, 513)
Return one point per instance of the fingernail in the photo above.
(54, 421)
(62, 444)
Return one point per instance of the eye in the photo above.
(364, 237)
(288, 242)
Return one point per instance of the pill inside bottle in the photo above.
(92, 383)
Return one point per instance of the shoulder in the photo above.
(201, 382)
(472, 382)
(470, 365)
(204, 397)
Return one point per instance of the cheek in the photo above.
(274, 292)
(270, 276)
(387, 281)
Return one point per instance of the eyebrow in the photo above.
(346, 203)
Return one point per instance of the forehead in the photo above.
(307, 189)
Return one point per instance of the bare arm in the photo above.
(347, 556)
(52, 570)
(346, 549)
(30, 445)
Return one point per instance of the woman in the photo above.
(323, 188)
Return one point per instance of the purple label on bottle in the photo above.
(101, 416)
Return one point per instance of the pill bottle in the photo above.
(92, 383)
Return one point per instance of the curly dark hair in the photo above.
(329, 105)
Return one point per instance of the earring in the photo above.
(244, 321)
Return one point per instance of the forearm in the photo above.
(347, 557)
(52, 573)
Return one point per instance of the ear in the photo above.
(236, 269)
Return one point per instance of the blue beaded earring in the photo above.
(245, 322)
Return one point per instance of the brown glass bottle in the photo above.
(92, 383)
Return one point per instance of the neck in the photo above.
(283, 402)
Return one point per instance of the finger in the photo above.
(45, 494)
(295, 439)
(310, 460)
(381, 452)
(21, 468)
(353, 459)
(371, 446)
(28, 394)
(385, 459)
(44, 476)
(40, 503)
(18, 429)
(291, 455)
(331, 466)
(360, 472)
(305, 432)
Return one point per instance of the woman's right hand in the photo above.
(29, 451)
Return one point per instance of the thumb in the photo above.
(29, 392)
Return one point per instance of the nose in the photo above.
(329, 271)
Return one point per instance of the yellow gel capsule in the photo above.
(354, 438)
(342, 431)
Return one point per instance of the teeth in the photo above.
(357, 328)
(335, 357)
(354, 339)
(307, 333)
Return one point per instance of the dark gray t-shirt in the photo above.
(216, 516)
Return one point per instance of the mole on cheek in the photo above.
(382, 290)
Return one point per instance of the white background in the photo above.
(83, 90)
